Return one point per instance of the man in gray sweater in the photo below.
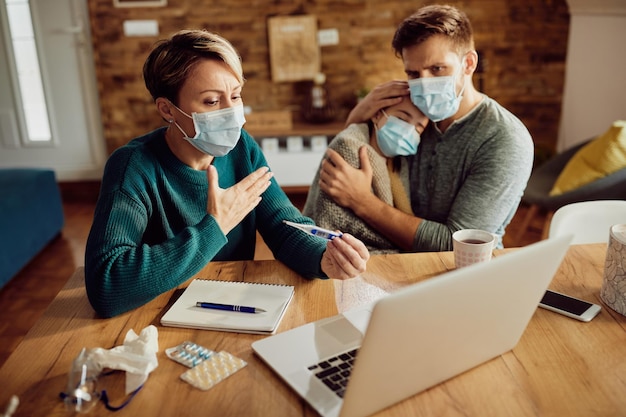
(474, 160)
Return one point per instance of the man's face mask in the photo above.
(436, 96)
(217, 132)
(397, 137)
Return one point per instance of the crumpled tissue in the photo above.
(137, 356)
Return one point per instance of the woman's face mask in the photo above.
(397, 137)
(217, 132)
(436, 96)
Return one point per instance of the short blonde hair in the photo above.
(172, 61)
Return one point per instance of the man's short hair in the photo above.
(434, 20)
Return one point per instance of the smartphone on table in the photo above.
(569, 306)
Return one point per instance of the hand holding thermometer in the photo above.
(314, 230)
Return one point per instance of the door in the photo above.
(74, 148)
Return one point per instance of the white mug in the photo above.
(472, 246)
(613, 291)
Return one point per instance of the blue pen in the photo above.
(229, 307)
(314, 230)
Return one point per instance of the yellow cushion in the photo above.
(597, 159)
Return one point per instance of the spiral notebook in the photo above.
(273, 298)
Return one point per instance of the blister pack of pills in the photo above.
(189, 354)
(213, 370)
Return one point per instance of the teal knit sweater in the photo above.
(151, 231)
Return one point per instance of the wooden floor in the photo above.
(27, 295)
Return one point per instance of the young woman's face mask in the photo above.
(217, 132)
(397, 137)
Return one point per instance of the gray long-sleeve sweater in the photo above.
(472, 176)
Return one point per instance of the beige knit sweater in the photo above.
(389, 186)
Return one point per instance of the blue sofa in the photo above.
(31, 215)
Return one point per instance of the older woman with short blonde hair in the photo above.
(196, 190)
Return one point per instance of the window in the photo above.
(31, 97)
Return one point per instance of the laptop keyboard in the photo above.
(335, 371)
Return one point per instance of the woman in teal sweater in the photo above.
(197, 190)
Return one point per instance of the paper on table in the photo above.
(274, 298)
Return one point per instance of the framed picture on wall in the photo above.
(293, 46)
(139, 3)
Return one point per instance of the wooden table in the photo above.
(561, 367)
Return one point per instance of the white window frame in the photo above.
(25, 139)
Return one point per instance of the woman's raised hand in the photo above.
(229, 206)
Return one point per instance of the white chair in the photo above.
(588, 221)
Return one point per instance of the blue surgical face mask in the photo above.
(397, 137)
(436, 96)
(217, 132)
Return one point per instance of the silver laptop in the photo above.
(416, 337)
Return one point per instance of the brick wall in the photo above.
(522, 46)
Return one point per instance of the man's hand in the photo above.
(346, 185)
(229, 206)
(352, 188)
(382, 96)
(345, 257)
